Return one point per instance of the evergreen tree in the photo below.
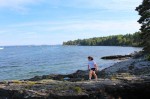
(144, 12)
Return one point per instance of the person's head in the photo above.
(90, 58)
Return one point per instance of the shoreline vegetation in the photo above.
(128, 79)
(114, 40)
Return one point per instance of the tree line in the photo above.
(114, 40)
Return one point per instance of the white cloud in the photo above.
(98, 4)
(122, 4)
(11, 3)
(108, 27)
(19, 5)
(57, 32)
(2, 31)
(113, 27)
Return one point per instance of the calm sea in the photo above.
(22, 62)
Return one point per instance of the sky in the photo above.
(50, 22)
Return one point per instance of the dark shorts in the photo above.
(93, 69)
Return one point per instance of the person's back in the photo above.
(91, 64)
(92, 67)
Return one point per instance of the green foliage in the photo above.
(5, 82)
(144, 12)
(116, 40)
(148, 57)
(113, 77)
(17, 81)
(77, 89)
(31, 83)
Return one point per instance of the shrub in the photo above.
(17, 81)
(31, 83)
(4, 82)
(148, 57)
(113, 77)
(77, 89)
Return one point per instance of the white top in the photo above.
(91, 64)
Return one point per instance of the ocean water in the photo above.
(23, 62)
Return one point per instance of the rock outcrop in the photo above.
(52, 89)
(119, 57)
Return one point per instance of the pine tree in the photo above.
(144, 12)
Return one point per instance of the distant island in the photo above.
(114, 40)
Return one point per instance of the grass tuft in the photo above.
(77, 89)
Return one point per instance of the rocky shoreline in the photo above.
(119, 57)
(129, 79)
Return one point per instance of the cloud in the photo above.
(19, 5)
(121, 4)
(98, 4)
(106, 27)
(2, 31)
(57, 32)
(113, 27)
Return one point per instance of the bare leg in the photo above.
(90, 74)
(95, 75)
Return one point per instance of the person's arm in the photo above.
(88, 67)
(96, 67)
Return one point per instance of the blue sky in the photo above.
(38, 22)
